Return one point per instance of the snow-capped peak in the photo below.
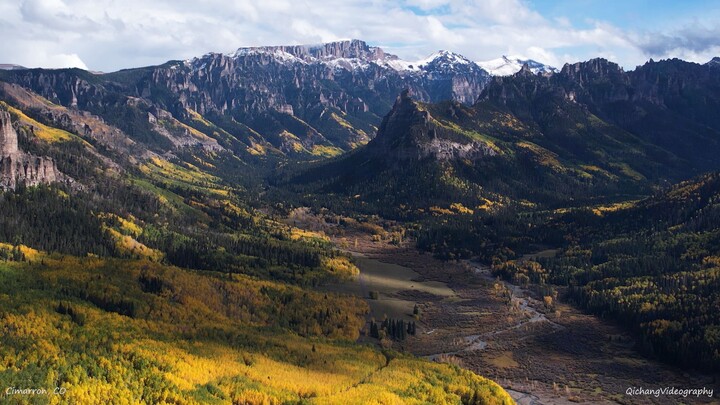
(350, 55)
(444, 60)
(445, 57)
(509, 65)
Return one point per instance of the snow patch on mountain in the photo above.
(714, 62)
(10, 66)
(509, 65)
(350, 64)
(279, 54)
(352, 56)
(445, 57)
(401, 65)
(444, 61)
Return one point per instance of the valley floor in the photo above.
(540, 355)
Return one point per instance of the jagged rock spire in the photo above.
(17, 167)
(8, 136)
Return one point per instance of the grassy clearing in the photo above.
(382, 281)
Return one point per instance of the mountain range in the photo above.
(588, 126)
(589, 130)
(297, 100)
(172, 188)
(302, 101)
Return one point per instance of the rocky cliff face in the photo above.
(409, 132)
(17, 167)
(8, 136)
(68, 87)
(311, 82)
(352, 49)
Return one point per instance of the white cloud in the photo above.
(441, 34)
(307, 30)
(55, 14)
(65, 60)
(109, 34)
(541, 54)
(42, 54)
(698, 42)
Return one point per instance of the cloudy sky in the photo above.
(108, 35)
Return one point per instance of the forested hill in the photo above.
(654, 266)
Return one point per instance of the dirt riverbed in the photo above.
(541, 355)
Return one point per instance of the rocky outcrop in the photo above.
(351, 49)
(18, 168)
(409, 132)
(445, 149)
(26, 169)
(593, 71)
(8, 136)
(180, 135)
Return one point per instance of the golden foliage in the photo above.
(440, 211)
(543, 156)
(600, 210)
(188, 174)
(198, 337)
(341, 266)
(42, 131)
(461, 209)
(326, 151)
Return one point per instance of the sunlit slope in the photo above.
(120, 331)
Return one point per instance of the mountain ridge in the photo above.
(658, 102)
(271, 101)
(589, 131)
(509, 65)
